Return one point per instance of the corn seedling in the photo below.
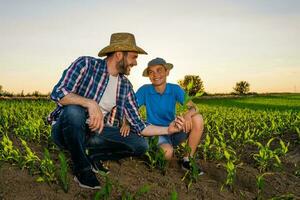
(47, 169)
(174, 195)
(156, 156)
(137, 195)
(192, 174)
(260, 183)
(230, 167)
(30, 159)
(266, 156)
(63, 172)
(9, 153)
(105, 191)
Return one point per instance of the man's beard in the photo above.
(123, 67)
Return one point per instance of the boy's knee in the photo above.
(198, 120)
(168, 151)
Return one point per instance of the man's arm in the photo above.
(174, 127)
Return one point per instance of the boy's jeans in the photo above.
(72, 133)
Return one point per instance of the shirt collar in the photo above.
(167, 90)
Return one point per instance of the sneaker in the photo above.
(87, 179)
(186, 166)
(98, 166)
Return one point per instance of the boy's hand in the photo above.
(176, 125)
(188, 125)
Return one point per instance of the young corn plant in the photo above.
(230, 156)
(260, 183)
(63, 172)
(266, 157)
(105, 191)
(184, 107)
(191, 175)
(9, 153)
(156, 156)
(137, 195)
(30, 158)
(47, 169)
(174, 195)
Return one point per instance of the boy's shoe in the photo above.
(98, 166)
(87, 179)
(185, 165)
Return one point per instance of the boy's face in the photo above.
(158, 75)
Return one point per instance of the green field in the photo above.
(255, 131)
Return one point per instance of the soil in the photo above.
(130, 174)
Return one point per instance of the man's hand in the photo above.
(125, 128)
(95, 116)
(176, 125)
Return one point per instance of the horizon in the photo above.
(223, 42)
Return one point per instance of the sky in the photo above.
(221, 41)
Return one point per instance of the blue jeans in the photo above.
(71, 132)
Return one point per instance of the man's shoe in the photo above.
(186, 166)
(87, 179)
(98, 166)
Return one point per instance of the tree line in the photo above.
(4, 93)
(240, 88)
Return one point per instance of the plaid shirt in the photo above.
(88, 77)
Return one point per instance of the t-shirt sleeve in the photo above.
(140, 95)
(179, 94)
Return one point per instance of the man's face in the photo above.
(127, 62)
(158, 75)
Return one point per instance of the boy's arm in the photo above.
(193, 110)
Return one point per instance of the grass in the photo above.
(280, 102)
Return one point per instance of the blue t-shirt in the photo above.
(160, 108)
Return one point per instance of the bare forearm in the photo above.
(192, 109)
(152, 130)
(75, 99)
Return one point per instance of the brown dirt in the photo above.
(128, 175)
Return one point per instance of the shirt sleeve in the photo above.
(179, 94)
(70, 79)
(140, 95)
(132, 113)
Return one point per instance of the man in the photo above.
(93, 96)
(160, 100)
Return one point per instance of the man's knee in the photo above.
(141, 148)
(74, 115)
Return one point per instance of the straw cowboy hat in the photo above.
(121, 42)
(157, 61)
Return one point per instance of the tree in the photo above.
(1, 88)
(197, 84)
(242, 87)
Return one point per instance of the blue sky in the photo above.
(221, 41)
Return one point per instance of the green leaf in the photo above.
(174, 195)
(199, 94)
(40, 179)
(190, 85)
(227, 155)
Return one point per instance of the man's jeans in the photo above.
(72, 133)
